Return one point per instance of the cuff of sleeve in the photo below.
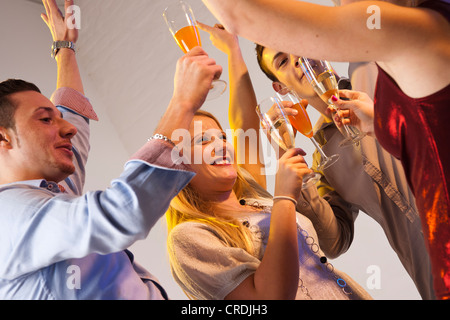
(75, 101)
(161, 153)
(307, 197)
(310, 204)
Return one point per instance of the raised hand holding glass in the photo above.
(277, 126)
(302, 123)
(180, 19)
(321, 76)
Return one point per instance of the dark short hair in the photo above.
(259, 55)
(7, 105)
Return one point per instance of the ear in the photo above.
(277, 86)
(5, 139)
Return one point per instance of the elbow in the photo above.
(332, 254)
(335, 249)
(285, 290)
(231, 26)
(227, 13)
(288, 294)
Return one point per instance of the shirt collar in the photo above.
(39, 183)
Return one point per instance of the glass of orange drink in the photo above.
(279, 131)
(302, 124)
(180, 19)
(322, 78)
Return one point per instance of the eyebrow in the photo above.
(275, 57)
(47, 109)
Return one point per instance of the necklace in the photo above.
(314, 247)
(255, 204)
(328, 267)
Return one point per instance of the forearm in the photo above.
(193, 77)
(324, 32)
(243, 101)
(277, 275)
(178, 116)
(50, 228)
(332, 217)
(281, 25)
(242, 116)
(68, 71)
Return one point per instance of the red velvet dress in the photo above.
(417, 131)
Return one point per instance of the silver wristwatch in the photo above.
(61, 44)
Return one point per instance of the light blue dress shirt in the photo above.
(69, 245)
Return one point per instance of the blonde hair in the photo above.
(188, 205)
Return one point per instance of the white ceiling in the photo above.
(127, 53)
(125, 48)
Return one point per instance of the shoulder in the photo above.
(74, 101)
(191, 232)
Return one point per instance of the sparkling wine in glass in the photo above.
(276, 124)
(321, 76)
(180, 19)
(302, 123)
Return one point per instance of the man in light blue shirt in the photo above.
(57, 243)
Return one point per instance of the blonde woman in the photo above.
(229, 239)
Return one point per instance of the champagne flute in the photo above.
(302, 123)
(180, 19)
(321, 76)
(275, 123)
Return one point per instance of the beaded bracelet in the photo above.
(285, 198)
(161, 137)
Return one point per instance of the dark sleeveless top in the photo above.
(417, 132)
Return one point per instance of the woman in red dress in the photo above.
(410, 42)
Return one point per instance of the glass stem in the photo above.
(324, 156)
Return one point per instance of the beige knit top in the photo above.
(207, 269)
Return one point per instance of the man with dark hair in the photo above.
(366, 177)
(7, 106)
(58, 243)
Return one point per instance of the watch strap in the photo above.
(57, 45)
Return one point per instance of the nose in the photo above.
(220, 147)
(294, 60)
(67, 130)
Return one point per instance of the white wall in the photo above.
(25, 43)
(25, 53)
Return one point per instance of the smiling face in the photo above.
(216, 171)
(39, 147)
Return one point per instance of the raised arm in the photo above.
(410, 43)
(69, 95)
(241, 113)
(194, 75)
(68, 71)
